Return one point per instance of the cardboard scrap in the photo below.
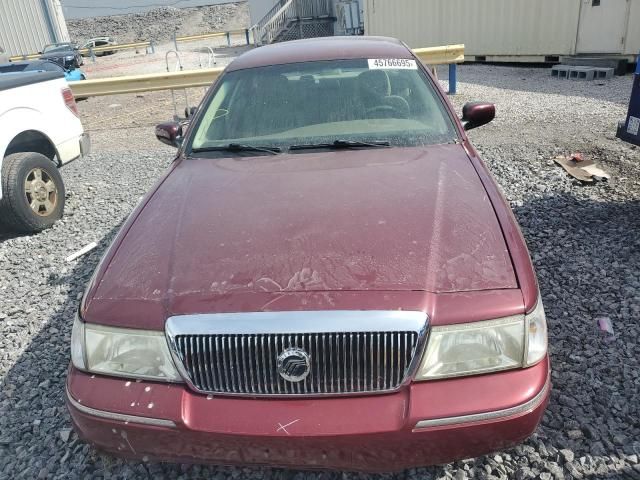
(584, 170)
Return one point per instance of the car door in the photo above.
(602, 26)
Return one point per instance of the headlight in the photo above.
(473, 348)
(122, 352)
(484, 347)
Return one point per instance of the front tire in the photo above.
(33, 193)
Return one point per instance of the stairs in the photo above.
(293, 20)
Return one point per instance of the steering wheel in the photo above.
(389, 109)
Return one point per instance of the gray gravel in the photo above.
(584, 241)
(161, 23)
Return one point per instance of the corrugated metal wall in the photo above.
(486, 27)
(27, 25)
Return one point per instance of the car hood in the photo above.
(396, 219)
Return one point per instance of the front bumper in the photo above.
(426, 423)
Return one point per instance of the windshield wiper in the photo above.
(239, 147)
(341, 144)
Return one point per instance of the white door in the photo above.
(603, 25)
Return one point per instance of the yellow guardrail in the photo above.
(83, 51)
(137, 45)
(17, 58)
(441, 55)
(204, 36)
(191, 38)
(145, 83)
(113, 48)
(450, 54)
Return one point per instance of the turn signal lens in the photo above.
(536, 325)
(77, 344)
(70, 101)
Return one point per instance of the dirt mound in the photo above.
(160, 23)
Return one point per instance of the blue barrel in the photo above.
(629, 131)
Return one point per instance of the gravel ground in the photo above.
(160, 23)
(583, 239)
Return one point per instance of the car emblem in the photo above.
(294, 364)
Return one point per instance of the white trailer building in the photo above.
(27, 25)
(512, 30)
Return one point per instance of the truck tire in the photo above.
(33, 193)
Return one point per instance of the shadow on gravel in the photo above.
(33, 416)
(6, 236)
(587, 256)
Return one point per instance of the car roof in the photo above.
(318, 49)
(36, 62)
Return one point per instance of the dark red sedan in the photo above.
(326, 277)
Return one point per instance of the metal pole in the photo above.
(246, 34)
(175, 40)
(92, 55)
(228, 39)
(300, 31)
(452, 78)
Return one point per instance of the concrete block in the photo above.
(604, 73)
(619, 65)
(582, 73)
(560, 71)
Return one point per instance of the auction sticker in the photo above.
(392, 64)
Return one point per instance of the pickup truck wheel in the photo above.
(33, 193)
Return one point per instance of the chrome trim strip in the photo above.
(155, 422)
(300, 322)
(316, 321)
(478, 417)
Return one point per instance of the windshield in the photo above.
(322, 102)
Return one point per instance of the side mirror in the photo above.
(169, 133)
(476, 114)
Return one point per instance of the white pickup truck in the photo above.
(40, 130)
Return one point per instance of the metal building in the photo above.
(27, 25)
(512, 30)
(280, 20)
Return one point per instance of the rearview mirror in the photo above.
(476, 114)
(169, 133)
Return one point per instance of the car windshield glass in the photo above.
(44, 66)
(57, 48)
(323, 102)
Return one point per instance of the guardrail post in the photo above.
(151, 48)
(92, 55)
(228, 39)
(246, 34)
(453, 70)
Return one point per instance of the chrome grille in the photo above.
(340, 362)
